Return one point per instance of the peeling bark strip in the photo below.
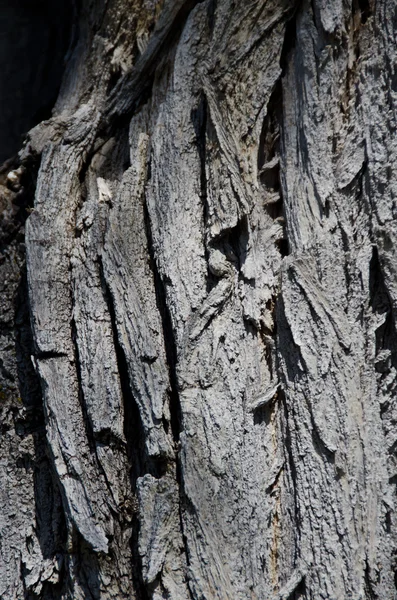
(201, 403)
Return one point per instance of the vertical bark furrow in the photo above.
(312, 187)
(139, 462)
(167, 331)
(133, 286)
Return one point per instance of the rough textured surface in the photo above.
(198, 368)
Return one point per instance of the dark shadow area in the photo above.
(287, 351)
(385, 334)
(50, 519)
(385, 366)
(134, 433)
(34, 38)
(364, 8)
(300, 592)
(269, 162)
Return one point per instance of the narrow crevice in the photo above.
(275, 125)
(388, 521)
(121, 120)
(385, 366)
(185, 505)
(89, 430)
(232, 241)
(346, 262)
(289, 42)
(269, 168)
(315, 15)
(86, 418)
(87, 161)
(269, 141)
(171, 356)
(370, 593)
(269, 336)
(115, 76)
(386, 334)
(135, 87)
(318, 443)
(211, 14)
(199, 121)
(133, 428)
(50, 354)
(293, 472)
(50, 525)
(364, 8)
(235, 242)
(134, 435)
(26, 594)
(86, 568)
(86, 165)
(288, 353)
(168, 332)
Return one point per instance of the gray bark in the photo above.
(199, 349)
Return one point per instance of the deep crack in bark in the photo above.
(134, 435)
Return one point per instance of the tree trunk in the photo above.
(199, 359)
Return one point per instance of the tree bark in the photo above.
(197, 322)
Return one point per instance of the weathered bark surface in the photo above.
(198, 369)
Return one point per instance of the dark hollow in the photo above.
(34, 38)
